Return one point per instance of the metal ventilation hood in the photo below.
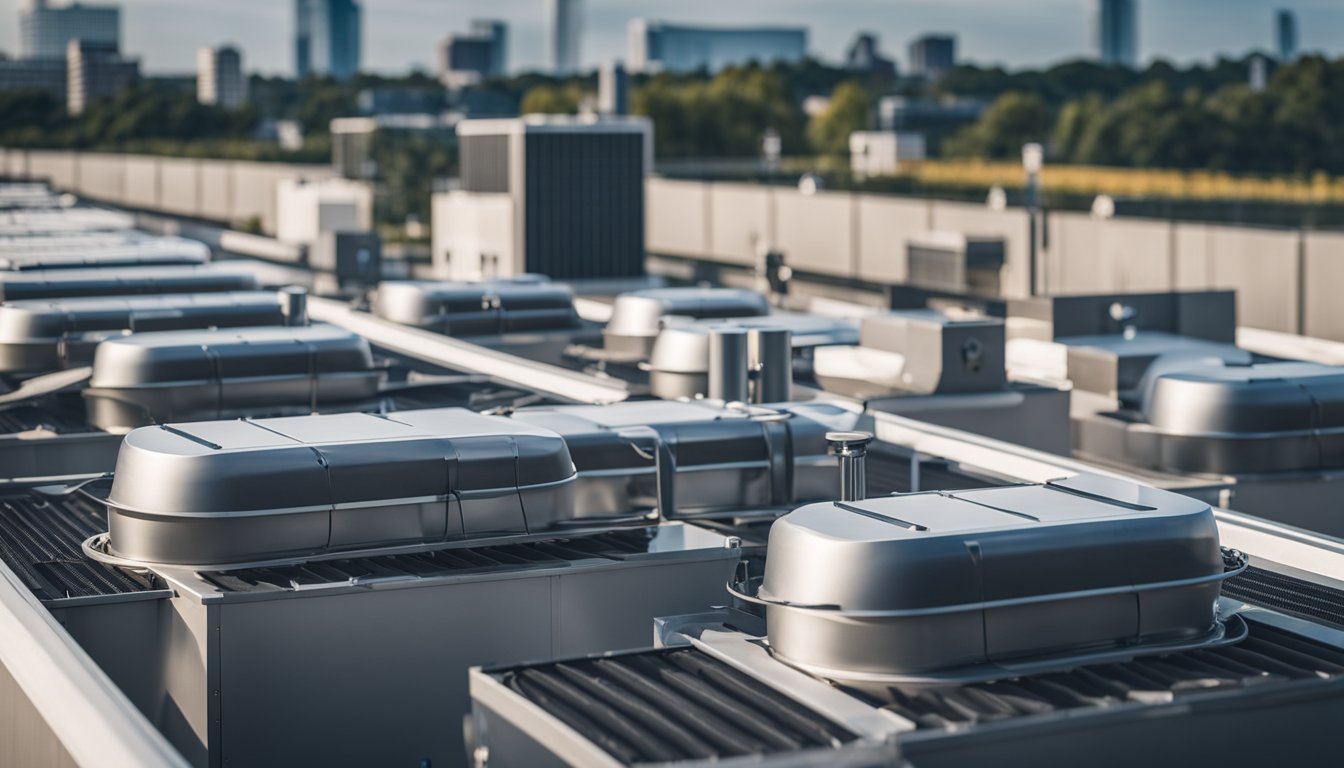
(637, 317)
(916, 352)
(124, 281)
(141, 251)
(154, 378)
(225, 492)
(1215, 418)
(478, 309)
(679, 363)
(696, 458)
(42, 335)
(949, 587)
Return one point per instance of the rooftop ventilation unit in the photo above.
(399, 551)
(71, 422)
(638, 316)
(689, 459)
(949, 261)
(1272, 430)
(681, 361)
(127, 281)
(478, 309)
(156, 378)
(929, 366)
(141, 251)
(1016, 626)
(45, 335)
(250, 491)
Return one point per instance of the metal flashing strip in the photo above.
(460, 355)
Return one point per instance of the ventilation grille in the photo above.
(1287, 594)
(1268, 654)
(40, 541)
(672, 705)
(888, 473)
(25, 417)
(424, 565)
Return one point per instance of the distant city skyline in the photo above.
(400, 35)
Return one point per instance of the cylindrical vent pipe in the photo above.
(851, 448)
(294, 304)
(728, 356)
(772, 364)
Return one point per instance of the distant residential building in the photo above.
(864, 57)
(613, 89)
(95, 71)
(45, 30)
(933, 55)
(555, 195)
(220, 80)
(327, 38)
(564, 35)
(880, 153)
(468, 59)
(655, 46)
(1115, 31)
(1285, 34)
(33, 75)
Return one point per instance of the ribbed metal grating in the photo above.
(27, 417)
(1287, 594)
(887, 473)
(672, 705)
(444, 562)
(1268, 654)
(40, 541)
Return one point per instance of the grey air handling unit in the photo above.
(255, 586)
(1037, 625)
(576, 188)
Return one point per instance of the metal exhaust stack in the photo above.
(728, 356)
(851, 448)
(294, 304)
(772, 364)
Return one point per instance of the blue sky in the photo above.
(400, 34)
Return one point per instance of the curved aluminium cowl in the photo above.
(1213, 418)
(478, 309)
(47, 334)
(919, 585)
(637, 317)
(154, 378)
(122, 281)
(225, 492)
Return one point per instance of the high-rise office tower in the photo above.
(1285, 34)
(613, 89)
(45, 30)
(656, 46)
(95, 71)
(932, 55)
(468, 59)
(1115, 31)
(565, 32)
(219, 77)
(327, 38)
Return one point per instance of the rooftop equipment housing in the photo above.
(48, 334)
(532, 189)
(125, 281)
(1084, 642)
(949, 371)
